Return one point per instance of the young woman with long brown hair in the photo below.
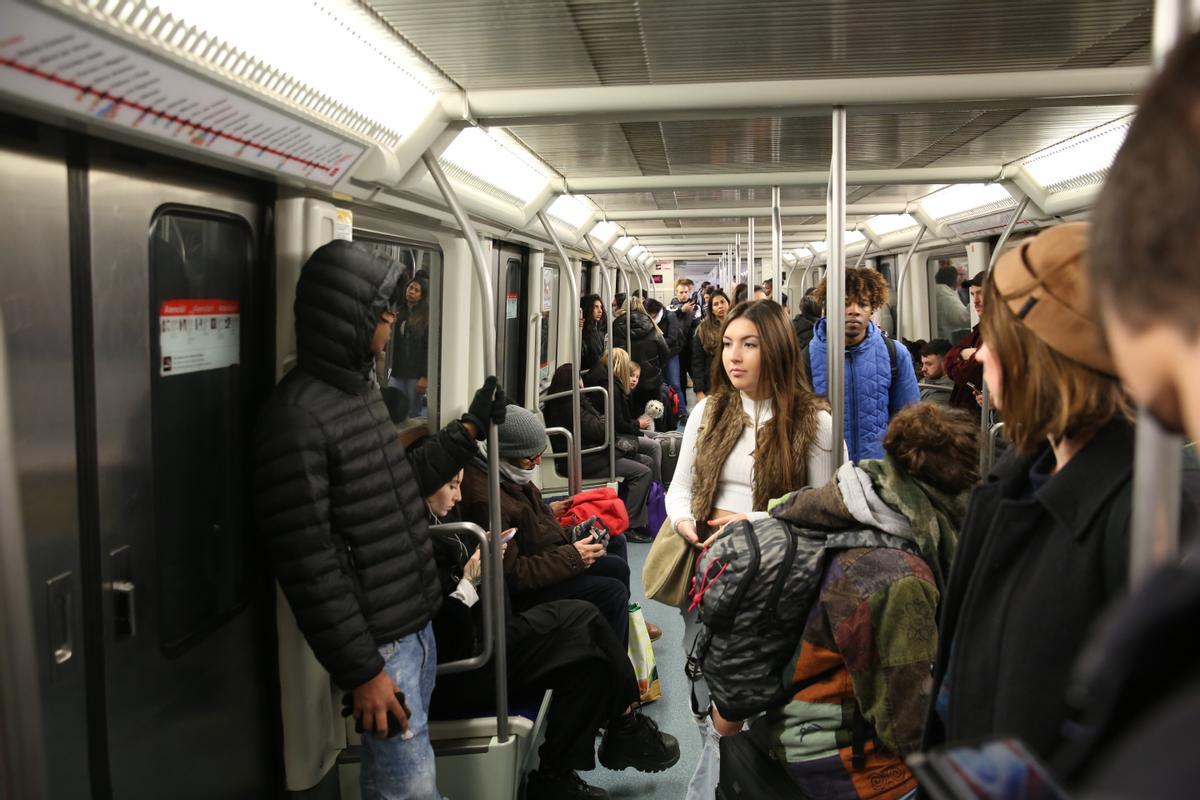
(759, 433)
(707, 341)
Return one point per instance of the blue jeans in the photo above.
(395, 769)
(671, 376)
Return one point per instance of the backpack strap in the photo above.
(808, 367)
(891, 348)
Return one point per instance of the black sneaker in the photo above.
(638, 743)
(545, 785)
(638, 536)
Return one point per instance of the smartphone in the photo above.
(996, 769)
(507, 535)
(973, 387)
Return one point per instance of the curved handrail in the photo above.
(493, 613)
(483, 279)
(594, 448)
(902, 276)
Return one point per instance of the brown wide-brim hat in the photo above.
(1043, 281)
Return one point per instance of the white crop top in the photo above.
(735, 488)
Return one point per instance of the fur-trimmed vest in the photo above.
(720, 428)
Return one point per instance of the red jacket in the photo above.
(602, 503)
(964, 372)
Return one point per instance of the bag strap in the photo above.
(891, 348)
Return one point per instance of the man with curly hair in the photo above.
(880, 379)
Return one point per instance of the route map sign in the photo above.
(54, 61)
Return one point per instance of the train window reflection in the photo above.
(949, 300)
(548, 343)
(201, 266)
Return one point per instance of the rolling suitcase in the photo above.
(671, 443)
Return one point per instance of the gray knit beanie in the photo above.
(522, 435)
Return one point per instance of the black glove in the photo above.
(592, 530)
(393, 723)
(487, 408)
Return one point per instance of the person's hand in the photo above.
(687, 529)
(423, 384)
(689, 306)
(699, 396)
(643, 422)
(373, 701)
(978, 398)
(967, 353)
(588, 552)
(487, 408)
(560, 507)
(720, 525)
(724, 727)
(473, 569)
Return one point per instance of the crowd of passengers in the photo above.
(962, 610)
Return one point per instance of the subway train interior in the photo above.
(168, 167)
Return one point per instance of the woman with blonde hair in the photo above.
(759, 433)
(630, 430)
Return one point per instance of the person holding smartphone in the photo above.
(565, 646)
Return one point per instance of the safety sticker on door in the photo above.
(197, 335)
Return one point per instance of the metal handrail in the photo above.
(901, 277)
(493, 613)
(989, 454)
(573, 485)
(483, 279)
(596, 448)
(935, 386)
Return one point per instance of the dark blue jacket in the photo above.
(871, 400)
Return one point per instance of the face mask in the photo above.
(515, 474)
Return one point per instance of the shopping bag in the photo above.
(641, 653)
(667, 570)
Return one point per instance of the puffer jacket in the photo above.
(336, 496)
(871, 400)
(649, 349)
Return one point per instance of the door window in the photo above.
(203, 326)
(514, 302)
(548, 343)
(949, 303)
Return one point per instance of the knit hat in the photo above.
(522, 435)
(1043, 282)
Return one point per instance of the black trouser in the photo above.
(565, 646)
(605, 585)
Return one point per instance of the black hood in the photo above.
(643, 326)
(340, 297)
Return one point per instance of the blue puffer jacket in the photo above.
(871, 400)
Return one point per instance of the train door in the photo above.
(512, 303)
(176, 258)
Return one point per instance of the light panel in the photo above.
(962, 198)
(637, 252)
(603, 230)
(329, 46)
(571, 210)
(622, 245)
(1088, 154)
(490, 158)
(884, 224)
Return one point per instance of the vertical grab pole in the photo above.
(737, 255)
(912, 249)
(750, 248)
(483, 278)
(835, 283)
(574, 459)
(777, 244)
(985, 408)
(608, 320)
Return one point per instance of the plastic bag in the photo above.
(641, 653)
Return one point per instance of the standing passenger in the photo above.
(410, 360)
(592, 332)
(340, 502)
(952, 316)
(647, 347)
(1045, 543)
(880, 379)
(683, 311)
(960, 364)
(764, 434)
(707, 342)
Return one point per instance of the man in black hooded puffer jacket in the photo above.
(342, 506)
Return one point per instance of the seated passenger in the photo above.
(879, 375)
(635, 470)
(564, 646)
(632, 434)
(937, 386)
(542, 562)
(1046, 542)
(862, 667)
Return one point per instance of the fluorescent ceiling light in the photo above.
(330, 46)
(818, 247)
(849, 237)
(602, 230)
(961, 198)
(884, 224)
(1087, 154)
(637, 252)
(622, 245)
(492, 159)
(571, 210)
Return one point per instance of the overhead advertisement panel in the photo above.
(54, 62)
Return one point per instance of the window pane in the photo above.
(547, 351)
(201, 267)
(949, 302)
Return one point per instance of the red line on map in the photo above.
(122, 101)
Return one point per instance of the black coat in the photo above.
(410, 354)
(649, 350)
(1029, 579)
(336, 496)
(701, 366)
(623, 422)
(804, 327)
(591, 344)
(592, 431)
